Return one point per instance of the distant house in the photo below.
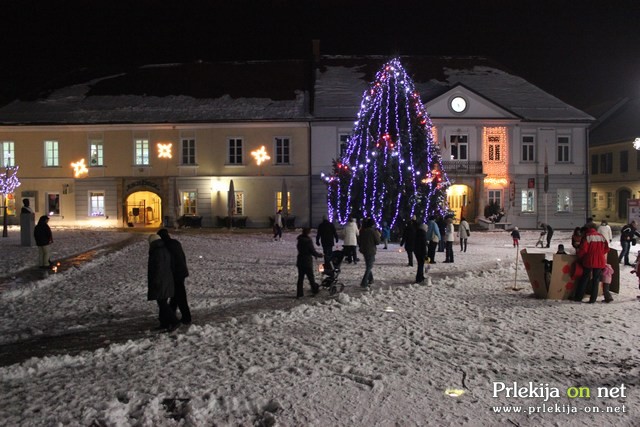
(496, 133)
(163, 142)
(615, 161)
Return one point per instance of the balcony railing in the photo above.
(462, 167)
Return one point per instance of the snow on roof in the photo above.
(341, 81)
(619, 124)
(260, 90)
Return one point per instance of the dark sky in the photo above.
(585, 52)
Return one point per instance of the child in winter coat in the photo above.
(515, 234)
(607, 274)
(386, 234)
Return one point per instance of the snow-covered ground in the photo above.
(384, 358)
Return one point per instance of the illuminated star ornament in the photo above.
(164, 151)
(260, 155)
(79, 168)
(636, 143)
(392, 168)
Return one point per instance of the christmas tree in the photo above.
(392, 168)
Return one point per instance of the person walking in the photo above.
(464, 231)
(180, 273)
(386, 234)
(350, 243)
(433, 237)
(605, 229)
(449, 232)
(549, 231)
(628, 235)
(325, 235)
(420, 249)
(304, 262)
(515, 235)
(592, 255)
(160, 285)
(44, 238)
(277, 226)
(408, 239)
(369, 240)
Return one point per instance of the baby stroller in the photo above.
(541, 241)
(332, 271)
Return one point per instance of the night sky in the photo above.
(584, 52)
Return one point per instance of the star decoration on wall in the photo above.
(164, 151)
(79, 168)
(260, 155)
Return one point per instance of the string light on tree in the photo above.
(392, 168)
(8, 183)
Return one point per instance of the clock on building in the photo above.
(458, 104)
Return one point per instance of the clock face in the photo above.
(458, 104)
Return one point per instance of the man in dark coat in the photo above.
(549, 230)
(326, 234)
(180, 273)
(304, 262)
(160, 281)
(43, 237)
(408, 239)
(369, 241)
(628, 235)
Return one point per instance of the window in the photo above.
(609, 200)
(51, 154)
(529, 200)
(283, 148)
(624, 161)
(279, 201)
(52, 201)
(189, 202)
(343, 140)
(188, 151)
(495, 196)
(96, 153)
(563, 149)
(565, 200)
(594, 164)
(528, 148)
(142, 151)
(239, 210)
(594, 200)
(235, 151)
(459, 147)
(96, 203)
(7, 153)
(606, 163)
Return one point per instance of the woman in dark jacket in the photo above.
(43, 237)
(160, 281)
(304, 262)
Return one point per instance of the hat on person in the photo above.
(153, 238)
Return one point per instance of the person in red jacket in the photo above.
(592, 254)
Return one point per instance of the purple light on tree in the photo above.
(392, 168)
(8, 183)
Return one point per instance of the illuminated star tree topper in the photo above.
(392, 168)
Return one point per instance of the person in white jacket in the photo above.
(605, 229)
(351, 234)
(449, 237)
(463, 234)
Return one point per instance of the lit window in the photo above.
(52, 206)
(279, 201)
(96, 203)
(235, 151)
(7, 153)
(51, 154)
(529, 200)
(495, 197)
(239, 209)
(594, 200)
(189, 202)
(565, 200)
(142, 152)
(96, 153)
(343, 141)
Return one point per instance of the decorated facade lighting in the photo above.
(79, 168)
(260, 155)
(164, 150)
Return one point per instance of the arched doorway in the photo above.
(623, 198)
(458, 198)
(143, 209)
